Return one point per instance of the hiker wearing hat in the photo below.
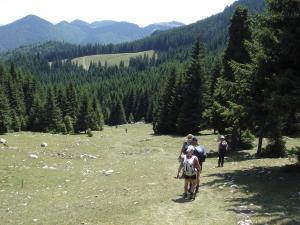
(186, 143)
(201, 155)
(223, 148)
(191, 167)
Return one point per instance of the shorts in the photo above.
(193, 177)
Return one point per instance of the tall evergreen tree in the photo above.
(162, 125)
(230, 91)
(5, 115)
(97, 116)
(189, 117)
(117, 115)
(53, 114)
(84, 119)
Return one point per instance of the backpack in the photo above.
(188, 166)
(200, 153)
(223, 147)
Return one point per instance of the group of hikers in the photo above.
(191, 158)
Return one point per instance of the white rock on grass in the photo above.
(234, 186)
(2, 141)
(49, 167)
(44, 144)
(88, 156)
(245, 222)
(33, 156)
(108, 172)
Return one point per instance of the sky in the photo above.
(136, 11)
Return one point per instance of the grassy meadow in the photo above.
(111, 59)
(67, 184)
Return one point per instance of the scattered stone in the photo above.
(87, 156)
(245, 222)
(33, 156)
(49, 167)
(108, 172)
(234, 186)
(152, 183)
(135, 203)
(2, 141)
(44, 144)
(221, 187)
(67, 181)
(35, 220)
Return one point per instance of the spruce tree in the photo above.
(5, 115)
(161, 125)
(53, 114)
(189, 117)
(117, 115)
(84, 119)
(232, 88)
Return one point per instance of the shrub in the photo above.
(276, 148)
(247, 140)
(89, 132)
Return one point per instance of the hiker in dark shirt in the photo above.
(222, 149)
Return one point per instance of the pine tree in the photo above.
(189, 117)
(239, 31)
(5, 115)
(97, 116)
(162, 125)
(232, 88)
(53, 120)
(84, 119)
(275, 66)
(117, 115)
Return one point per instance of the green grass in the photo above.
(142, 188)
(111, 59)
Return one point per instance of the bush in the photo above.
(89, 132)
(276, 148)
(247, 140)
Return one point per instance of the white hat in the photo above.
(190, 148)
(222, 137)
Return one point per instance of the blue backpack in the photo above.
(200, 153)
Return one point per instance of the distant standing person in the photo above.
(223, 148)
(201, 155)
(191, 167)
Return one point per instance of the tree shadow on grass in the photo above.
(268, 194)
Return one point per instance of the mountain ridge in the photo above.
(32, 29)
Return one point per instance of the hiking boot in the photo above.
(193, 196)
(185, 195)
(197, 189)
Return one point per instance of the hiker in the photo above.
(191, 167)
(186, 143)
(223, 148)
(201, 155)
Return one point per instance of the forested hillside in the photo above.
(218, 83)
